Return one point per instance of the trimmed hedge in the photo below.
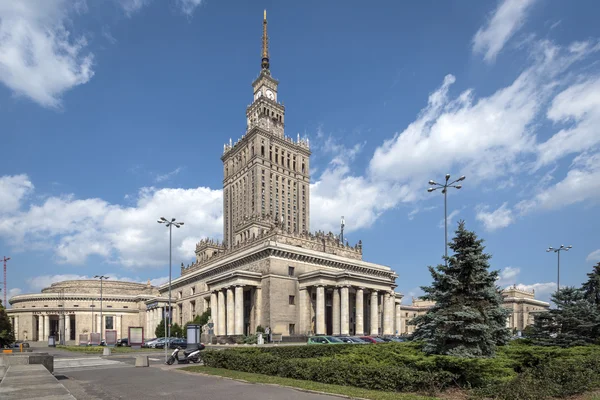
(519, 370)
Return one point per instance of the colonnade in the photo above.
(383, 312)
(227, 309)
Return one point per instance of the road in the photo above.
(115, 377)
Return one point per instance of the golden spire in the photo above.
(265, 45)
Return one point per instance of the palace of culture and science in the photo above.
(269, 270)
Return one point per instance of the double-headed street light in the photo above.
(444, 187)
(101, 277)
(169, 225)
(557, 251)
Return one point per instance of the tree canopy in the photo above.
(6, 330)
(468, 318)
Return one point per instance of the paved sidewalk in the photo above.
(31, 382)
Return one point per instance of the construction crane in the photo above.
(5, 259)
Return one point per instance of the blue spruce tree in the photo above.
(468, 319)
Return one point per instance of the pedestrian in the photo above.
(268, 333)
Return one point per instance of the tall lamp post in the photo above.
(169, 224)
(557, 251)
(101, 277)
(444, 187)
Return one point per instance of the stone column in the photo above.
(67, 327)
(398, 319)
(222, 322)
(374, 314)
(230, 312)
(258, 307)
(335, 317)
(46, 327)
(360, 325)
(239, 310)
(214, 312)
(345, 313)
(15, 326)
(388, 314)
(303, 311)
(40, 332)
(320, 312)
(118, 326)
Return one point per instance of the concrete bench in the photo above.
(31, 381)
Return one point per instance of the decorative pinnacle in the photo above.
(265, 45)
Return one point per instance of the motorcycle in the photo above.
(192, 355)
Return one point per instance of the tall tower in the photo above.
(266, 174)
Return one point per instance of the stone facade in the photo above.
(521, 303)
(270, 270)
(77, 305)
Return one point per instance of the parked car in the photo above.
(17, 344)
(123, 342)
(351, 339)
(372, 339)
(178, 342)
(324, 340)
(398, 339)
(150, 340)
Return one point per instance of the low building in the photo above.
(521, 303)
(34, 317)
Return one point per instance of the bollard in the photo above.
(141, 361)
(106, 351)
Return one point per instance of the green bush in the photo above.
(518, 371)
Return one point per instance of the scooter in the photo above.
(192, 355)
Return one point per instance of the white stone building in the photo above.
(78, 303)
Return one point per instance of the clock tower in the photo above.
(266, 174)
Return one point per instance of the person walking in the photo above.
(268, 333)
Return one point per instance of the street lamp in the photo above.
(101, 277)
(444, 187)
(557, 251)
(169, 225)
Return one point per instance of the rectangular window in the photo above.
(292, 300)
(75, 305)
(109, 323)
(292, 329)
(291, 271)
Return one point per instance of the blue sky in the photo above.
(115, 112)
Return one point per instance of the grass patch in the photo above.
(99, 349)
(307, 385)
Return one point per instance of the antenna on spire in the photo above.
(265, 46)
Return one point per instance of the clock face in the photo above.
(258, 94)
(270, 95)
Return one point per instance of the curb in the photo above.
(343, 396)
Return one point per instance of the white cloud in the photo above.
(132, 6)
(504, 22)
(542, 290)
(76, 229)
(417, 210)
(508, 276)
(579, 107)
(450, 218)
(582, 183)
(499, 218)
(593, 256)
(39, 58)
(168, 175)
(13, 190)
(188, 6)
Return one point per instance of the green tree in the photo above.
(468, 319)
(160, 329)
(201, 320)
(177, 331)
(591, 288)
(6, 330)
(575, 321)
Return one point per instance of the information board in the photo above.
(136, 336)
(111, 337)
(83, 339)
(95, 339)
